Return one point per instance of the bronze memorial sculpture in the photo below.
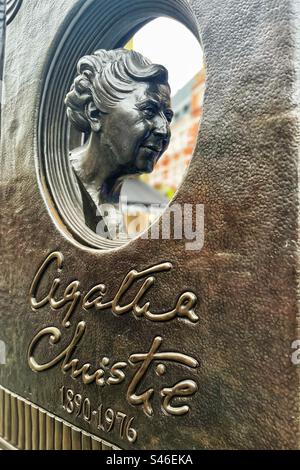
(122, 102)
(160, 342)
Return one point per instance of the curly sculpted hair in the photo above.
(104, 77)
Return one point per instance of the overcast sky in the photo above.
(168, 42)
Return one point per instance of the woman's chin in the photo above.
(147, 165)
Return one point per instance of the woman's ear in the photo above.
(93, 116)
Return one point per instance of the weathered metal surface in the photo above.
(2, 46)
(244, 279)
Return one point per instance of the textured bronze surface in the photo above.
(2, 46)
(245, 172)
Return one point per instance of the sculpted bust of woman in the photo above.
(121, 101)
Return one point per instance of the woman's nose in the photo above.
(161, 126)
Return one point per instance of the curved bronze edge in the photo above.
(26, 426)
(5, 446)
(12, 8)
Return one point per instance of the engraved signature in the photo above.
(94, 298)
(139, 362)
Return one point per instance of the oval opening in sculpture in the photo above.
(107, 159)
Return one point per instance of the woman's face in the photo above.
(136, 132)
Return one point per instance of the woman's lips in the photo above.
(153, 148)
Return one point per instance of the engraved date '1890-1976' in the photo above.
(105, 419)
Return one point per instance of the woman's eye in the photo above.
(169, 117)
(149, 112)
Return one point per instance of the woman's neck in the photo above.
(96, 172)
